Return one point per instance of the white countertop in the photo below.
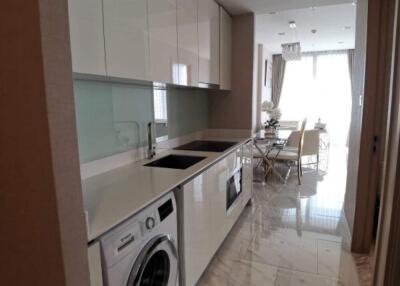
(112, 197)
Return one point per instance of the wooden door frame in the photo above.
(376, 97)
(388, 243)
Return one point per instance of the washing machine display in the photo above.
(143, 250)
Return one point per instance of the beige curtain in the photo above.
(278, 74)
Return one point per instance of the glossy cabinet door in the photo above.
(126, 38)
(94, 260)
(225, 49)
(247, 163)
(163, 41)
(206, 222)
(208, 23)
(188, 49)
(197, 226)
(87, 37)
(225, 218)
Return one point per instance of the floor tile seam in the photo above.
(293, 270)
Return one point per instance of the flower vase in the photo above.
(270, 132)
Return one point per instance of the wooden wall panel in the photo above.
(234, 110)
(377, 89)
(42, 231)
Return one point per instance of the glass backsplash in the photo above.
(112, 117)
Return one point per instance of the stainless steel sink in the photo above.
(175, 162)
(207, 146)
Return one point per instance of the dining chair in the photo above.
(311, 144)
(292, 156)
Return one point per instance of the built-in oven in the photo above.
(234, 187)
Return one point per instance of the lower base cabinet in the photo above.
(205, 219)
(94, 260)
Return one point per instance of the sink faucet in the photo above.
(150, 150)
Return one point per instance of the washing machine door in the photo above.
(156, 265)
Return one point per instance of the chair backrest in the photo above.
(311, 141)
(301, 141)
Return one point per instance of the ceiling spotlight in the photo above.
(314, 31)
(292, 25)
(281, 34)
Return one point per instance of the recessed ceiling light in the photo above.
(347, 27)
(281, 34)
(292, 25)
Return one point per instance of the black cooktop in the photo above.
(207, 146)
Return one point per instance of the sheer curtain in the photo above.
(319, 87)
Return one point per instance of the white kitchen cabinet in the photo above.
(206, 221)
(225, 50)
(208, 25)
(87, 37)
(163, 41)
(247, 164)
(198, 218)
(94, 260)
(188, 49)
(126, 38)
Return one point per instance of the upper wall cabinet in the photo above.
(188, 50)
(87, 38)
(208, 41)
(126, 38)
(163, 41)
(225, 50)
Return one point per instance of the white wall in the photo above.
(264, 85)
(356, 117)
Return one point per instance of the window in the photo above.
(319, 87)
(160, 105)
(180, 73)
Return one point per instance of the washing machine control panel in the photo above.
(150, 223)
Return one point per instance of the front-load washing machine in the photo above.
(144, 249)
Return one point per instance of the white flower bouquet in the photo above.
(274, 114)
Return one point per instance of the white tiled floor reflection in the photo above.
(291, 234)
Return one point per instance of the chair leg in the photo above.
(299, 171)
(301, 168)
(266, 170)
(259, 163)
(288, 173)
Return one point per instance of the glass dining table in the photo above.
(268, 148)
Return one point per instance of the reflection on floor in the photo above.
(292, 235)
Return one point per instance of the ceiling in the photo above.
(237, 7)
(335, 27)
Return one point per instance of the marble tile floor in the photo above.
(291, 235)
